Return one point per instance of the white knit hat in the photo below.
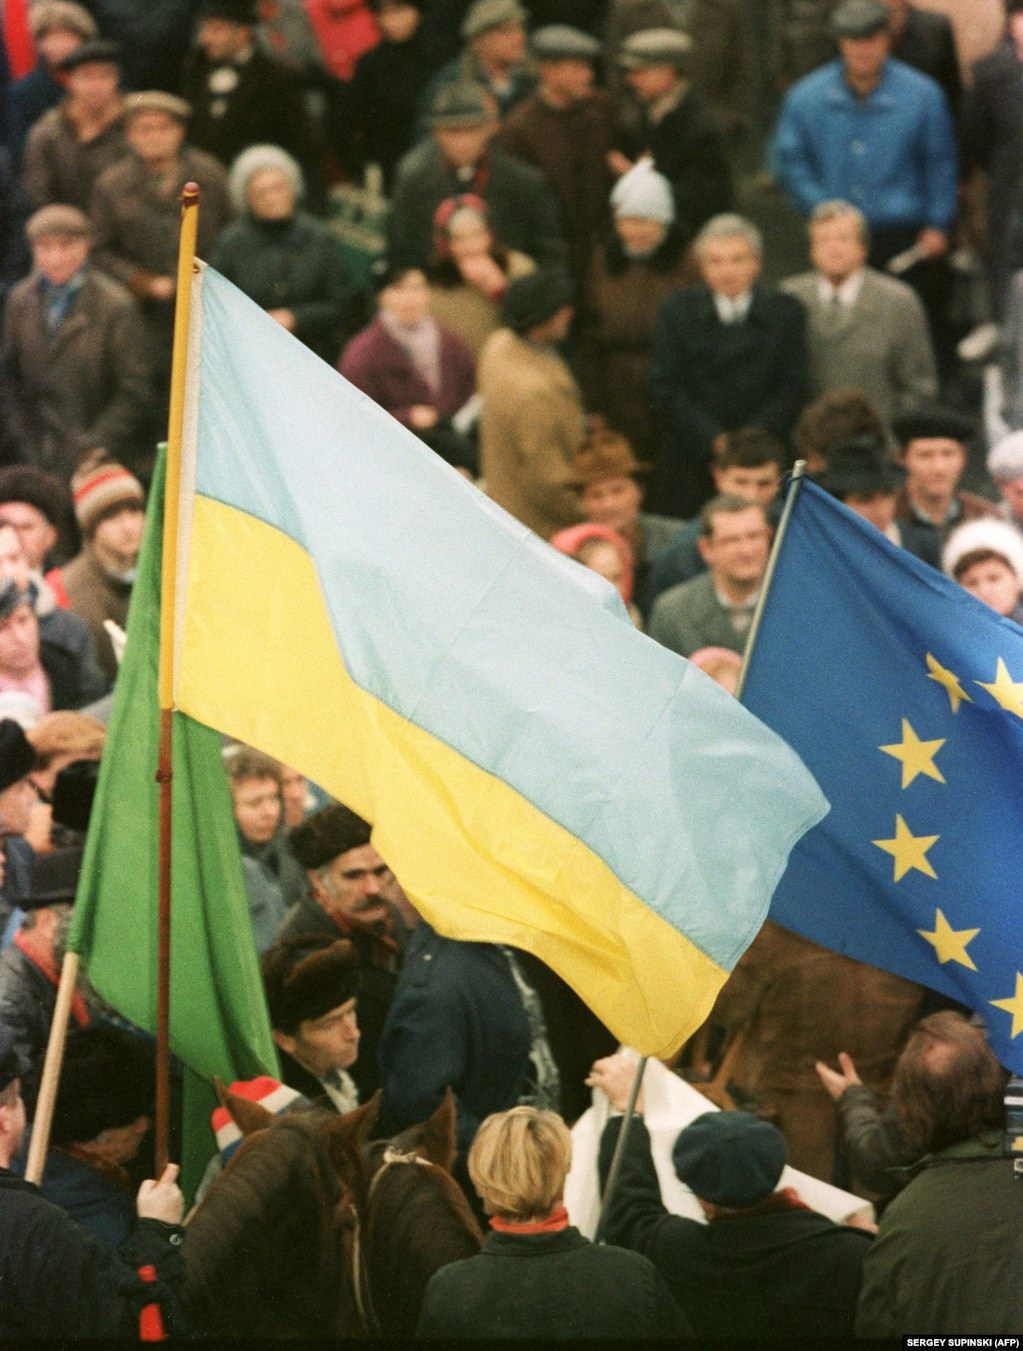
(644, 193)
(1005, 458)
(987, 533)
(255, 159)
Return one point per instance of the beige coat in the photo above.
(531, 424)
(465, 311)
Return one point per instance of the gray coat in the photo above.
(880, 344)
(690, 616)
(84, 386)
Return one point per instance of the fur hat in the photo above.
(731, 1159)
(17, 758)
(306, 977)
(53, 879)
(73, 793)
(987, 534)
(326, 834)
(106, 1081)
(931, 422)
(99, 485)
(45, 492)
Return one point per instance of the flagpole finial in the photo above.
(189, 195)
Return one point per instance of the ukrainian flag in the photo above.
(537, 772)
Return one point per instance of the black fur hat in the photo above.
(327, 833)
(306, 977)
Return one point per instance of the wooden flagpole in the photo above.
(168, 596)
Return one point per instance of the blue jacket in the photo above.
(892, 154)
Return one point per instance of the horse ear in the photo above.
(348, 1133)
(437, 1140)
(248, 1116)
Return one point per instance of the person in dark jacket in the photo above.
(74, 372)
(291, 264)
(59, 27)
(58, 1282)
(926, 41)
(726, 354)
(49, 677)
(665, 117)
(379, 110)
(764, 1265)
(458, 158)
(536, 1277)
(353, 894)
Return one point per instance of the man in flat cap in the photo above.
(135, 207)
(664, 116)
(532, 419)
(312, 984)
(870, 130)
(60, 1283)
(494, 56)
(458, 158)
(73, 372)
(765, 1264)
(241, 96)
(352, 893)
(933, 449)
(59, 27)
(565, 128)
(71, 145)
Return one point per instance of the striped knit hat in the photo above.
(269, 1093)
(97, 486)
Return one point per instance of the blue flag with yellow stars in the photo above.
(904, 697)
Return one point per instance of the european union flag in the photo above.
(904, 697)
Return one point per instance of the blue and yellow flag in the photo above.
(904, 696)
(537, 772)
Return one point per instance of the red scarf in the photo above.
(78, 1007)
(553, 1224)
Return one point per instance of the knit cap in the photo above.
(270, 1094)
(1005, 459)
(644, 193)
(97, 486)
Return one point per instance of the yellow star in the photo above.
(950, 944)
(908, 850)
(1008, 692)
(1013, 1006)
(917, 756)
(949, 683)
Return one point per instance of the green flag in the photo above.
(218, 1019)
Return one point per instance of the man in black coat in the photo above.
(764, 1265)
(457, 159)
(926, 41)
(726, 354)
(59, 1283)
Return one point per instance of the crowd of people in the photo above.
(527, 229)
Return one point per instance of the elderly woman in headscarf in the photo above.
(288, 262)
(643, 260)
(471, 270)
(603, 551)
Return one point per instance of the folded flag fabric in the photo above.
(904, 696)
(537, 772)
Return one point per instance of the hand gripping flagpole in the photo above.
(619, 1154)
(43, 1121)
(168, 596)
(795, 483)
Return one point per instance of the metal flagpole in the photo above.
(616, 1160)
(795, 483)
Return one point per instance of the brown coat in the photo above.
(800, 1003)
(531, 424)
(58, 167)
(617, 334)
(85, 386)
(570, 146)
(96, 596)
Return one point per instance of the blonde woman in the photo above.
(536, 1277)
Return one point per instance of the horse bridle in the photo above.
(360, 1275)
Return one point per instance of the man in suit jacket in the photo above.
(716, 608)
(726, 354)
(864, 330)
